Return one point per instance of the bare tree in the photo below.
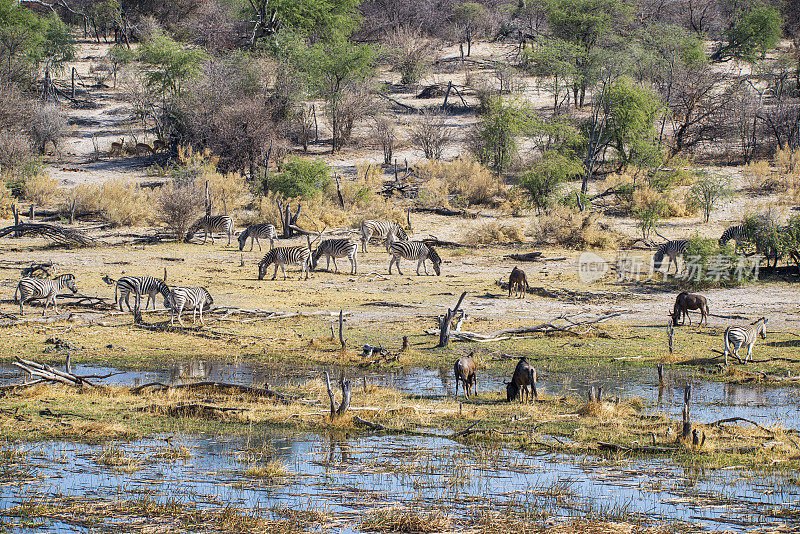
(430, 135)
(179, 204)
(409, 53)
(384, 129)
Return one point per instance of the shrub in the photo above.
(461, 182)
(756, 174)
(409, 53)
(119, 202)
(708, 192)
(300, 178)
(430, 135)
(573, 229)
(46, 125)
(649, 207)
(494, 232)
(179, 205)
(546, 175)
(6, 200)
(709, 265)
(228, 191)
(40, 189)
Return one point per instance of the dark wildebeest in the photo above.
(464, 370)
(524, 376)
(687, 301)
(517, 282)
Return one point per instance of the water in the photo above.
(351, 476)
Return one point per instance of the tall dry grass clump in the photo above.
(781, 175)
(460, 182)
(119, 202)
(573, 229)
(6, 200)
(494, 232)
(41, 189)
(228, 191)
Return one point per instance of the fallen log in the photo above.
(48, 373)
(192, 410)
(742, 419)
(530, 256)
(245, 390)
(616, 447)
(55, 233)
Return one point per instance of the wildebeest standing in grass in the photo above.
(464, 370)
(688, 301)
(524, 376)
(517, 283)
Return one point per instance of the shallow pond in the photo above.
(347, 477)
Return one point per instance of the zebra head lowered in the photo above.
(435, 260)
(68, 281)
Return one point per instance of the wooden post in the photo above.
(208, 200)
(341, 329)
(165, 274)
(449, 88)
(68, 365)
(408, 220)
(660, 368)
(687, 424)
(339, 191)
(330, 394)
(592, 394)
(72, 212)
(15, 212)
(446, 320)
(333, 336)
(670, 334)
(405, 344)
(396, 179)
(241, 263)
(316, 127)
(599, 393)
(73, 83)
(33, 212)
(347, 389)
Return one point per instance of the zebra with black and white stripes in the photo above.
(37, 288)
(211, 224)
(671, 249)
(256, 231)
(386, 230)
(737, 336)
(282, 256)
(195, 298)
(414, 250)
(139, 285)
(336, 248)
(737, 233)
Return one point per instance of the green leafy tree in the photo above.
(320, 19)
(168, 63)
(755, 27)
(708, 192)
(553, 60)
(28, 40)
(300, 178)
(543, 180)
(495, 138)
(468, 17)
(631, 114)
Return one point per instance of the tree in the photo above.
(322, 19)
(468, 17)
(167, 63)
(632, 111)
(495, 137)
(546, 175)
(754, 28)
(300, 178)
(708, 192)
(553, 59)
(430, 134)
(409, 53)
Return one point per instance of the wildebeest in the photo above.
(464, 370)
(517, 282)
(688, 301)
(524, 376)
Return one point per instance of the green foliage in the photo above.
(553, 60)
(708, 192)
(300, 178)
(27, 40)
(168, 63)
(755, 28)
(546, 175)
(661, 50)
(322, 19)
(495, 140)
(632, 112)
(709, 265)
(648, 213)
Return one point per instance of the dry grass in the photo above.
(41, 189)
(573, 229)
(461, 182)
(116, 457)
(120, 202)
(494, 232)
(273, 472)
(396, 519)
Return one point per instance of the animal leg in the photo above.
(335, 267)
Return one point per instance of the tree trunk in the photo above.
(446, 321)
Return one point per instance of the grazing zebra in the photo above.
(736, 336)
(336, 248)
(386, 230)
(737, 233)
(211, 224)
(184, 297)
(36, 288)
(139, 285)
(255, 231)
(672, 249)
(282, 256)
(414, 250)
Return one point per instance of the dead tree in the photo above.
(341, 328)
(346, 387)
(670, 337)
(446, 321)
(288, 221)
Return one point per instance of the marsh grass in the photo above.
(396, 519)
(272, 472)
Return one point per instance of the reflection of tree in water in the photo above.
(344, 450)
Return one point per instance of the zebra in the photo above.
(736, 336)
(737, 233)
(386, 230)
(211, 224)
(140, 285)
(336, 248)
(414, 250)
(282, 256)
(194, 297)
(254, 232)
(672, 249)
(36, 288)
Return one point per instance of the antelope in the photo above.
(464, 370)
(143, 147)
(524, 376)
(159, 145)
(687, 301)
(517, 282)
(117, 148)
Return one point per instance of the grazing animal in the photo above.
(464, 370)
(517, 282)
(737, 233)
(117, 149)
(195, 298)
(139, 285)
(414, 250)
(336, 248)
(36, 288)
(736, 336)
(386, 230)
(143, 147)
(524, 376)
(688, 301)
(282, 256)
(255, 232)
(211, 224)
(671, 249)
(159, 145)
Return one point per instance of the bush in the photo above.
(300, 178)
(40, 189)
(119, 202)
(708, 192)
(494, 232)
(546, 175)
(409, 53)
(228, 191)
(573, 229)
(756, 174)
(179, 205)
(430, 135)
(46, 125)
(461, 182)
(649, 207)
(6, 200)
(709, 265)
